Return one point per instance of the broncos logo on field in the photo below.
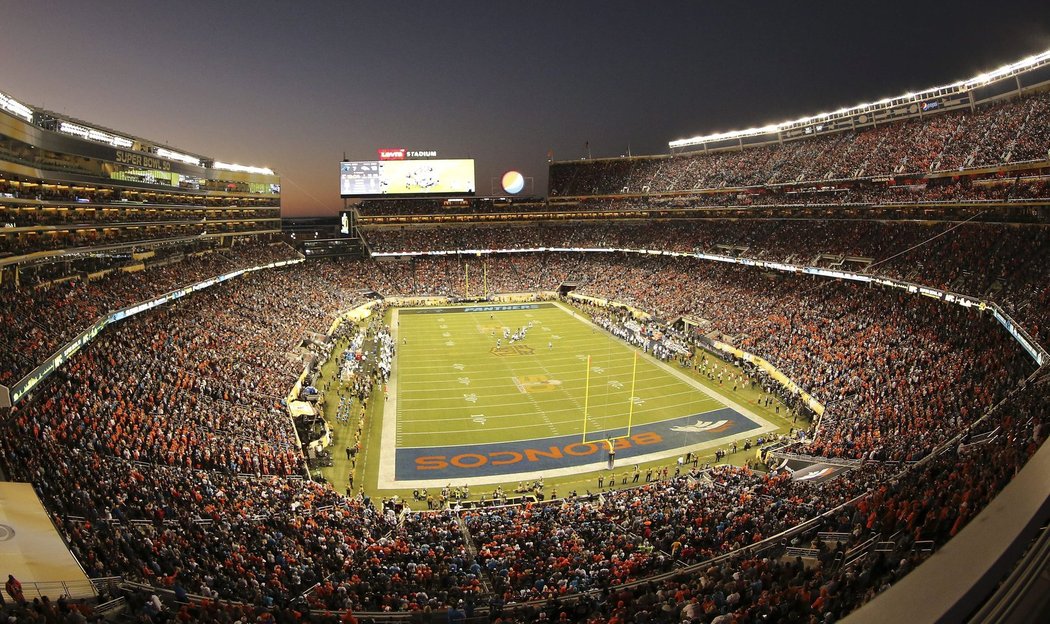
(703, 425)
(536, 383)
(514, 349)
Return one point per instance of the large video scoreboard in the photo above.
(383, 178)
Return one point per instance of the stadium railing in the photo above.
(85, 588)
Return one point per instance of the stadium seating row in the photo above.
(1006, 132)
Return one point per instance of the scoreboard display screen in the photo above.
(378, 178)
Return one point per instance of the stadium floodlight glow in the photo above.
(962, 86)
(241, 168)
(93, 134)
(186, 158)
(15, 107)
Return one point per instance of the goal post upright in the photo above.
(630, 399)
(586, 396)
(610, 442)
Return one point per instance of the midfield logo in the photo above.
(515, 349)
(528, 384)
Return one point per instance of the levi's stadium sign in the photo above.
(400, 153)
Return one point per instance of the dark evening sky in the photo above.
(294, 85)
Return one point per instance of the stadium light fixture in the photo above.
(15, 107)
(242, 168)
(93, 134)
(186, 158)
(980, 80)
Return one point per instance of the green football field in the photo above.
(455, 386)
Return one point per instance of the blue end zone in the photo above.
(508, 458)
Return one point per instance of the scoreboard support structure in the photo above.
(348, 221)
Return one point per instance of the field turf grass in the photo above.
(457, 387)
(453, 386)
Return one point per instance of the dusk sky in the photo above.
(294, 85)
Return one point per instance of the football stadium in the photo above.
(790, 373)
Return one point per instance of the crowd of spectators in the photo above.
(1003, 262)
(265, 542)
(84, 217)
(975, 190)
(896, 373)
(46, 193)
(932, 362)
(814, 333)
(21, 243)
(196, 384)
(1005, 132)
(37, 321)
(164, 453)
(97, 214)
